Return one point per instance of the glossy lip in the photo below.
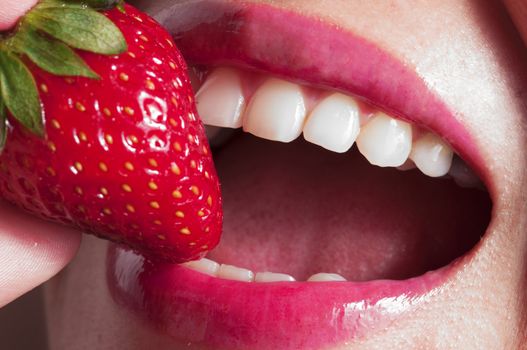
(221, 314)
(197, 309)
(308, 50)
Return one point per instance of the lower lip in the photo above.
(198, 309)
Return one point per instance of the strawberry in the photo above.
(102, 132)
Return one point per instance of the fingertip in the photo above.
(31, 251)
(12, 10)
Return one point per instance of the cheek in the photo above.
(480, 75)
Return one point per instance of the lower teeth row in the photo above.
(229, 272)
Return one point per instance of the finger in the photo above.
(518, 11)
(31, 251)
(12, 10)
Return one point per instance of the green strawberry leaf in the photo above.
(53, 56)
(19, 92)
(79, 27)
(3, 125)
(97, 4)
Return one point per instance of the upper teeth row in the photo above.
(229, 272)
(280, 111)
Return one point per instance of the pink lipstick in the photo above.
(312, 52)
(223, 314)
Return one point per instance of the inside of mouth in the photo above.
(299, 209)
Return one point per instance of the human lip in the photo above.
(231, 314)
(306, 50)
(201, 310)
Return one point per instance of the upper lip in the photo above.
(306, 50)
(309, 51)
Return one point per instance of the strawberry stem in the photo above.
(48, 36)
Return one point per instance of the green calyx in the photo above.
(98, 4)
(47, 36)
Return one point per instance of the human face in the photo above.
(459, 68)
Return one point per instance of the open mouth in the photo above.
(347, 173)
(397, 205)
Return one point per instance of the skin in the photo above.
(28, 244)
(474, 57)
(11, 10)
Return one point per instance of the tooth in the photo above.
(334, 123)
(194, 79)
(408, 165)
(273, 277)
(326, 277)
(463, 175)
(220, 100)
(276, 111)
(431, 155)
(206, 266)
(230, 272)
(385, 141)
(218, 136)
(212, 131)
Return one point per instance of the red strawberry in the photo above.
(125, 156)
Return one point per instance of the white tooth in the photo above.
(206, 266)
(431, 155)
(194, 79)
(334, 123)
(218, 136)
(408, 165)
(273, 277)
(276, 111)
(463, 175)
(385, 141)
(212, 131)
(230, 272)
(326, 277)
(220, 100)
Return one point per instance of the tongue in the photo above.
(299, 209)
